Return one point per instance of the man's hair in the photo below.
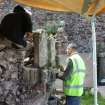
(18, 8)
(72, 45)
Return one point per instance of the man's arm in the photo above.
(28, 27)
(28, 23)
(67, 71)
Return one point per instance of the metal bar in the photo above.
(93, 22)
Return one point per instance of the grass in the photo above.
(88, 99)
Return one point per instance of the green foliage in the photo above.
(88, 99)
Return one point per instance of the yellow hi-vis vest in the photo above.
(73, 86)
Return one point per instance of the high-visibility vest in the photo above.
(73, 85)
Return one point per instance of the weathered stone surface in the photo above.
(53, 51)
(43, 51)
(11, 75)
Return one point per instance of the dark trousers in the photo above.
(72, 100)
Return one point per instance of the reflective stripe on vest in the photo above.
(75, 86)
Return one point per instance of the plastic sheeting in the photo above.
(80, 6)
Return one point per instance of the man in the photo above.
(16, 25)
(12, 30)
(73, 76)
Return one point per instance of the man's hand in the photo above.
(29, 36)
(61, 68)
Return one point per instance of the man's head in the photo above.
(72, 47)
(18, 8)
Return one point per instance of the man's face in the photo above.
(69, 51)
